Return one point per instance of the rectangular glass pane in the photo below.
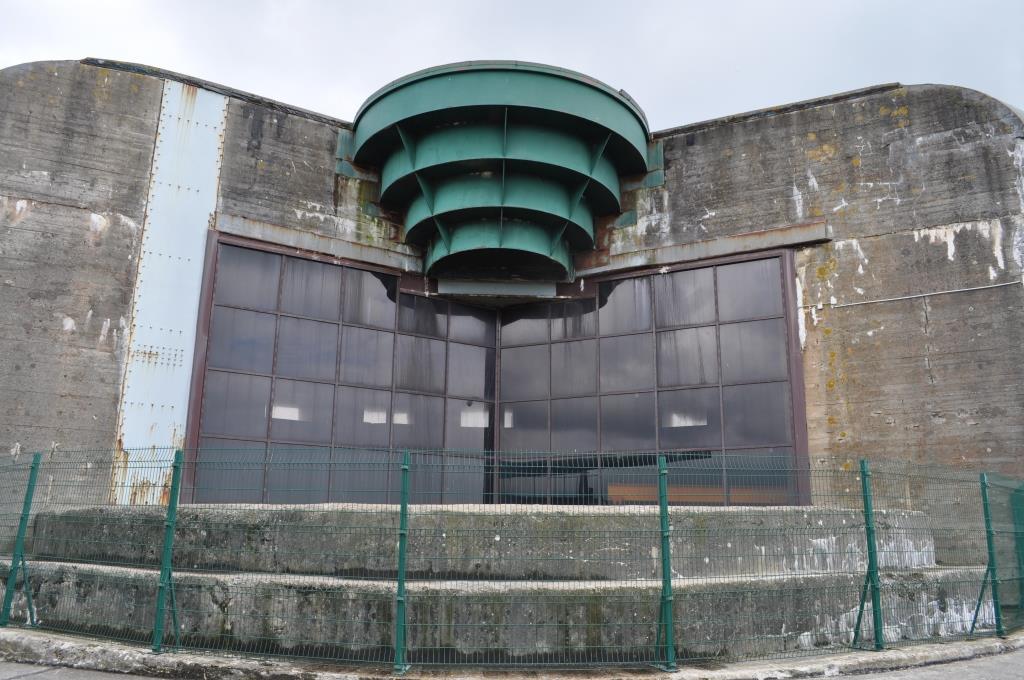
(685, 298)
(690, 419)
(523, 478)
(470, 371)
(470, 324)
(423, 315)
(627, 422)
(247, 278)
(624, 305)
(469, 425)
(418, 421)
(307, 349)
(687, 357)
(524, 426)
(696, 479)
(757, 414)
(466, 478)
(574, 424)
(575, 480)
(525, 372)
(302, 411)
(749, 289)
(524, 324)
(241, 340)
(754, 351)
(366, 356)
(573, 368)
(573, 319)
(762, 477)
(362, 417)
(629, 479)
(298, 474)
(235, 405)
(311, 288)
(369, 298)
(420, 364)
(229, 471)
(627, 362)
(359, 476)
(426, 477)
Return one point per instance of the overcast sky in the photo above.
(683, 61)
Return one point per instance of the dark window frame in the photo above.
(416, 285)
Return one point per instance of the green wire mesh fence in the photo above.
(517, 559)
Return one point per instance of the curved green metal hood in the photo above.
(500, 168)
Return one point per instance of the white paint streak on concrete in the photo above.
(798, 202)
(991, 274)
(104, 330)
(126, 221)
(1017, 154)
(860, 291)
(842, 205)
(812, 181)
(854, 245)
(68, 324)
(20, 207)
(991, 230)
(98, 223)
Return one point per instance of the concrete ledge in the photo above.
(61, 650)
(489, 542)
(514, 622)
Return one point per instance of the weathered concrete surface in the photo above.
(61, 650)
(497, 620)
(278, 176)
(76, 147)
(531, 543)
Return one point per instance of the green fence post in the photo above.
(403, 534)
(991, 573)
(166, 558)
(869, 531)
(666, 622)
(18, 557)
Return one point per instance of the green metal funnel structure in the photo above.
(500, 168)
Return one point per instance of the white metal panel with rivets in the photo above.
(165, 305)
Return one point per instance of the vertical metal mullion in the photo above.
(268, 454)
(391, 407)
(496, 439)
(654, 348)
(444, 402)
(332, 462)
(721, 389)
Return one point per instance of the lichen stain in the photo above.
(830, 384)
(855, 161)
(825, 152)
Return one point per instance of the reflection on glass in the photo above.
(696, 480)
(625, 305)
(362, 417)
(627, 362)
(311, 289)
(630, 479)
(523, 478)
(525, 372)
(749, 289)
(754, 351)
(241, 340)
(418, 421)
(524, 426)
(690, 419)
(426, 477)
(298, 474)
(423, 315)
(469, 425)
(573, 368)
(473, 325)
(573, 319)
(366, 356)
(470, 371)
(627, 422)
(524, 324)
(235, 405)
(685, 298)
(687, 357)
(307, 349)
(756, 415)
(574, 424)
(466, 478)
(302, 411)
(419, 364)
(762, 476)
(247, 278)
(369, 298)
(363, 476)
(229, 471)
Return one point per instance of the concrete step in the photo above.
(489, 542)
(496, 621)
